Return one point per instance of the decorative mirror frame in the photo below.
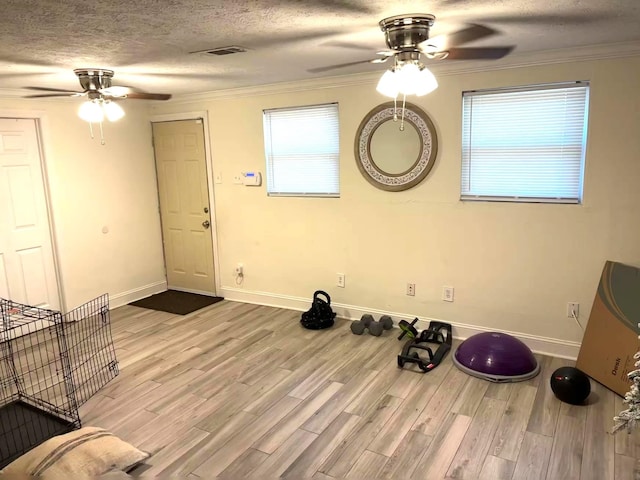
(426, 157)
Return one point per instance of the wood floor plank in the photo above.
(405, 384)
(202, 451)
(161, 431)
(500, 391)
(566, 453)
(533, 459)
(367, 348)
(347, 453)
(161, 459)
(496, 468)
(263, 403)
(319, 376)
(285, 455)
(120, 410)
(236, 445)
(367, 466)
(598, 458)
(392, 434)
(627, 468)
(368, 397)
(232, 405)
(402, 462)
(431, 418)
(244, 464)
(307, 464)
(319, 341)
(280, 432)
(435, 462)
(470, 396)
(546, 407)
(508, 438)
(322, 418)
(321, 476)
(470, 456)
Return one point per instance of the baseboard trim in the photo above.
(538, 344)
(129, 296)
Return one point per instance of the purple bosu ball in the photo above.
(496, 357)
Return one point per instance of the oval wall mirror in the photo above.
(392, 159)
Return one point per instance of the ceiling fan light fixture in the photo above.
(90, 111)
(411, 78)
(425, 82)
(388, 84)
(112, 111)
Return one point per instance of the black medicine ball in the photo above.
(570, 385)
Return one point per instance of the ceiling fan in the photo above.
(96, 85)
(407, 37)
(100, 94)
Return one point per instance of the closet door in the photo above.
(27, 269)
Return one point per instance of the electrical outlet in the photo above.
(239, 270)
(447, 294)
(411, 289)
(237, 179)
(573, 307)
(340, 280)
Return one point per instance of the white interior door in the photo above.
(184, 205)
(27, 269)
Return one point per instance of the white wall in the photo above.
(94, 186)
(514, 266)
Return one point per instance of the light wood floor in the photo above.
(242, 391)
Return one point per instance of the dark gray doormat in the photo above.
(173, 301)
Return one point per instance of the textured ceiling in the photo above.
(148, 42)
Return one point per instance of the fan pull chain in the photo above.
(102, 141)
(404, 101)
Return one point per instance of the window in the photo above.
(302, 149)
(525, 144)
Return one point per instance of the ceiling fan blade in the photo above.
(470, 34)
(44, 95)
(486, 53)
(348, 64)
(148, 96)
(353, 46)
(47, 89)
(119, 91)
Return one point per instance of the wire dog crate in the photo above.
(50, 364)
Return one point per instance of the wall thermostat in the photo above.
(252, 179)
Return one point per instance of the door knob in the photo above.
(206, 224)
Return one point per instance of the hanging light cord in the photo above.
(102, 142)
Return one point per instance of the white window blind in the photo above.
(302, 151)
(525, 144)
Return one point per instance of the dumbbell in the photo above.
(358, 326)
(385, 323)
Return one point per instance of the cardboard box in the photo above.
(611, 336)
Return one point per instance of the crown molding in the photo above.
(526, 59)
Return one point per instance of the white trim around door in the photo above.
(44, 139)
